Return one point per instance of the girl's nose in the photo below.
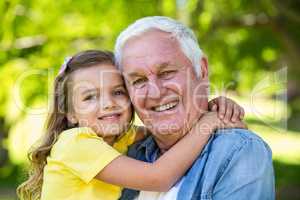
(107, 103)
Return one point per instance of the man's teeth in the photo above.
(165, 107)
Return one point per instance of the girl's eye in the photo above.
(90, 97)
(119, 92)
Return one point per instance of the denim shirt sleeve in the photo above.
(247, 173)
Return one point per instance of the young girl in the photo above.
(89, 130)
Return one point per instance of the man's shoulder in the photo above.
(230, 153)
(235, 136)
(234, 140)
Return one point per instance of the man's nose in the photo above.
(155, 89)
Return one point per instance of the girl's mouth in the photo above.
(110, 117)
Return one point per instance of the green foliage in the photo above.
(243, 39)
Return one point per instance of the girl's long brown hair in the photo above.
(57, 121)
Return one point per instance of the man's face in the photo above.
(163, 86)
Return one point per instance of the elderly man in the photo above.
(167, 78)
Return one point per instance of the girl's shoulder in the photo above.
(78, 132)
(126, 139)
(74, 136)
(75, 139)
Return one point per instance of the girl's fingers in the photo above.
(236, 113)
(210, 104)
(214, 108)
(242, 113)
(229, 111)
(222, 107)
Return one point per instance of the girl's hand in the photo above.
(210, 122)
(228, 110)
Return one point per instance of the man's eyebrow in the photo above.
(133, 74)
(166, 65)
(163, 65)
(159, 67)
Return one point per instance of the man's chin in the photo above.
(165, 139)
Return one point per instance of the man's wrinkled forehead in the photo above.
(141, 61)
(167, 42)
(153, 48)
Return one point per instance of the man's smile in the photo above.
(166, 106)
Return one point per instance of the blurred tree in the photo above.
(245, 39)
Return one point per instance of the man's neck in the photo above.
(166, 141)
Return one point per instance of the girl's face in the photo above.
(99, 100)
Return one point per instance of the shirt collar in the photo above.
(152, 151)
(150, 147)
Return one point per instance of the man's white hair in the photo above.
(185, 36)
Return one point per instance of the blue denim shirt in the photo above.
(235, 164)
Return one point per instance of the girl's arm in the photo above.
(164, 172)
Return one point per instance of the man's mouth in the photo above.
(164, 107)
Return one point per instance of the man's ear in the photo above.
(71, 118)
(204, 68)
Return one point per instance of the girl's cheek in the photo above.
(124, 103)
(87, 107)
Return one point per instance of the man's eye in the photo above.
(139, 82)
(167, 74)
